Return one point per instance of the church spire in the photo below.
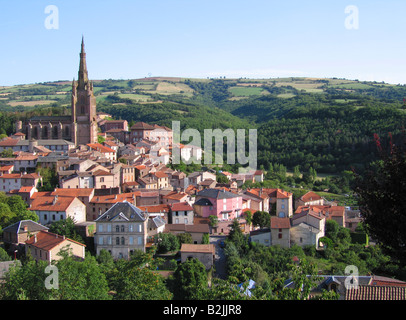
(83, 76)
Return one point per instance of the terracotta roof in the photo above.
(25, 189)
(310, 196)
(26, 157)
(181, 206)
(46, 240)
(8, 142)
(101, 172)
(376, 293)
(159, 208)
(200, 248)
(142, 125)
(100, 148)
(280, 223)
(73, 192)
(113, 198)
(174, 195)
(160, 174)
(50, 203)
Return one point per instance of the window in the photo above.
(109, 228)
(224, 207)
(139, 228)
(122, 228)
(117, 240)
(100, 240)
(108, 240)
(117, 228)
(176, 220)
(280, 235)
(100, 228)
(130, 228)
(130, 240)
(186, 221)
(139, 241)
(53, 217)
(283, 206)
(122, 241)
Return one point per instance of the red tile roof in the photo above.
(181, 206)
(49, 203)
(280, 223)
(310, 196)
(100, 148)
(363, 292)
(46, 240)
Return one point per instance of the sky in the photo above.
(130, 39)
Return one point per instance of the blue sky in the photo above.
(128, 39)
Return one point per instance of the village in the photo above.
(116, 184)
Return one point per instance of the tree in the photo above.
(261, 219)
(167, 242)
(189, 281)
(135, 279)
(66, 227)
(380, 192)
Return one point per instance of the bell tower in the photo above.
(84, 124)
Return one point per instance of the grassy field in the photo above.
(239, 91)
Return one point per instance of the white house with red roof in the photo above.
(181, 212)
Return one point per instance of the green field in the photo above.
(246, 91)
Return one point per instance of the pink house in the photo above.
(218, 202)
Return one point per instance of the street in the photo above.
(220, 259)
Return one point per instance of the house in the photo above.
(16, 234)
(46, 245)
(121, 230)
(99, 204)
(309, 198)
(175, 197)
(280, 232)
(24, 163)
(85, 195)
(223, 204)
(107, 152)
(307, 228)
(197, 231)
(104, 180)
(181, 212)
(156, 225)
(196, 177)
(54, 208)
(26, 193)
(205, 253)
(258, 200)
(336, 213)
(14, 181)
(161, 178)
(208, 183)
(147, 183)
(261, 236)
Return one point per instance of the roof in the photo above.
(8, 142)
(18, 227)
(363, 292)
(126, 210)
(73, 192)
(203, 202)
(142, 125)
(310, 196)
(181, 206)
(156, 222)
(217, 194)
(198, 248)
(113, 198)
(51, 203)
(100, 148)
(160, 174)
(190, 228)
(47, 240)
(174, 195)
(280, 223)
(159, 208)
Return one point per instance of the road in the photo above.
(220, 260)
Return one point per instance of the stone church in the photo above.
(80, 127)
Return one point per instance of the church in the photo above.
(80, 127)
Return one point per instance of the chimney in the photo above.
(25, 228)
(35, 238)
(55, 200)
